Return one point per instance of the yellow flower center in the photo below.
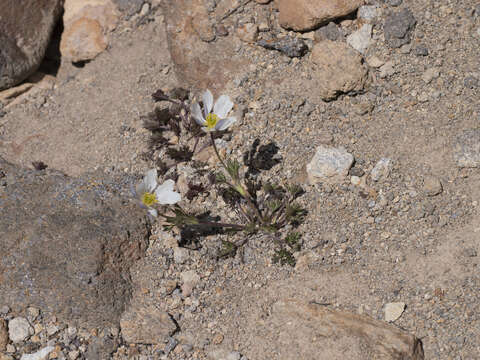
(212, 120)
(148, 199)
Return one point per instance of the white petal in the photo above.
(222, 107)
(165, 193)
(170, 197)
(207, 129)
(207, 99)
(153, 212)
(166, 186)
(197, 114)
(150, 180)
(225, 123)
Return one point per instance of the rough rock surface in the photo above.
(398, 28)
(338, 68)
(199, 62)
(467, 149)
(3, 335)
(86, 28)
(339, 335)
(25, 29)
(304, 15)
(68, 244)
(329, 164)
(146, 324)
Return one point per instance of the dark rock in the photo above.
(328, 32)
(25, 30)
(470, 82)
(101, 348)
(289, 45)
(421, 50)
(398, 28)
(393, 2)
(356, 171)
(68, 244)
(129, 7)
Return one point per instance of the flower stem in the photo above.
(244, 193)
(216, 152)
(218, 224)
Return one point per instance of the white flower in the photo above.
(150, 193)
(215, 120)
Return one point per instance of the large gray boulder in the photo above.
(68, 243)
(25, 29)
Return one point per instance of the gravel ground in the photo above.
(411, 236)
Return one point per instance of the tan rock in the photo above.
(304, 15)
(248, 33)
(145, 323)
(338, 68)
(3, 335)
(86, 27)
(201, 64)
(201, 24)
(304, 328)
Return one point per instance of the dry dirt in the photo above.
(395, 243)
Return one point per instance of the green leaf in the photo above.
(283, 257)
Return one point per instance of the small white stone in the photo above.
(19, 329)
(234, 355)
(355, 180)
(39, 355)
(360, 39)
(382, 169)
(394, 310)
(329, 164)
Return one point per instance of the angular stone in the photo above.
(146, 324)
(381, 169)
(467, 149)
(19, 329)
(338, 69)
(25, 29)
(432, 186)
(398, 28)
(305, 15)
(360, 39)
(329, 164)
(41, 354)
(86, 27)
(394, 310)
(304, 328)
(68, 243)
(198, 63)
(289, 45)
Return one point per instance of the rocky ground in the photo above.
(397, 229)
